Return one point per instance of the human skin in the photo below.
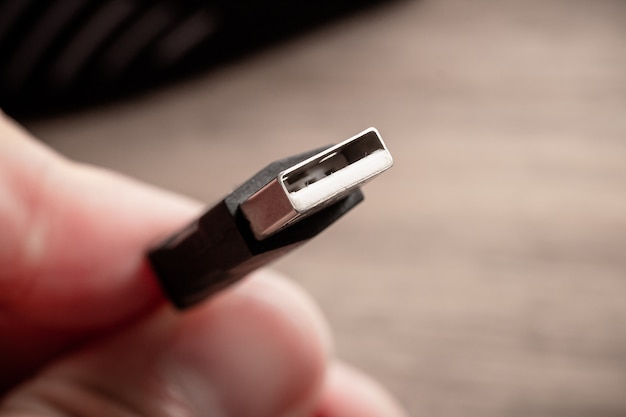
(84, 330)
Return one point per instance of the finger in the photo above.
(72, 240)
(258, 350)
(349, 393)
(74, 236)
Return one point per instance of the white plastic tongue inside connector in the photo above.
(327, 188)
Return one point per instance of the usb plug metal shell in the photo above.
(316, 182)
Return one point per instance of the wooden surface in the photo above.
(486, 273)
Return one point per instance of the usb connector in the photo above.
(281, 207)
(316, 182)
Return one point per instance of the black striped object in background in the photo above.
(57, 54)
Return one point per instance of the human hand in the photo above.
(84, 330)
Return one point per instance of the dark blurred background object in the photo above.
(59, 54)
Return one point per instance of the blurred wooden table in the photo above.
(486, 274)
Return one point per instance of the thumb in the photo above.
(72, 240)
(258, 350)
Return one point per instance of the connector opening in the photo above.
(334, 160)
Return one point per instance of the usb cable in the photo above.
(281, 207)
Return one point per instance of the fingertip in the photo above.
(262, 347)
(348, 392)
(274, 288)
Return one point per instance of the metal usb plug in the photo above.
(315, 183)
